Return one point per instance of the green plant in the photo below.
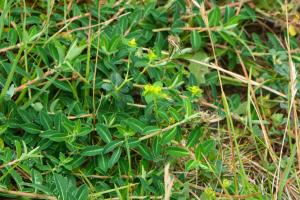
(184, 99)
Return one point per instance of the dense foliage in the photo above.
(149, 99)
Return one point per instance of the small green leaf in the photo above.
(84, 131)
(145, 152)
(114, 43)
(169, 135)
(37, 177)
(135, 124)
(57, 120)
(150, 129)
(45, 120)
(3, 128)
(31, 128)
(1, 144)
(92, 151)
(132, 143)
(175, 114)
(195, 40)
(111, 146)
(54, 135)
(74, 51)
(43, 54)
(194, 136)
(26, 116)
(102, 163)
(104, 133)
(62, 85)
(156, 146)
(197, 70)
(191, 164)
(163, 115)
(17, 179)
(114, 158)
(53, 52)
(188, 107)
(177, 151)
(10, 92)
(77, 161)
(205, 148)
(82, 193)
(229, 13)
(37, 106)
(40, 187)
(214, 16)
(18, 148)
(61, 184)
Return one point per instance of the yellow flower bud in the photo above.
(152, 89)
(226, 183)
(292, 30)
(209, 192)
(172, 120)
(132, 43)
(196, 91)
(152, 55)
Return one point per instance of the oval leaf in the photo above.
(177, 151)
(168, 136)
(92, 151)
(194, 136)
(104, 133)
(195, 40)
(111, 146)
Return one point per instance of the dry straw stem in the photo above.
(233, 4)
(103, 177)
(261, 118)
(73, 19)
(9, 163)
(27, 194)
(67, 23)
(99, 194)
(239, 77)
(226, 196)
(35, 37)
(138, 197)
(31, 82)
(169, 181)
(115, 17)
(194, 116)
(220, 195)
(292, 113)
(202, 29)
(232, 136)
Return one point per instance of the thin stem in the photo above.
(10, 77)
(27, 194)
(87, 68)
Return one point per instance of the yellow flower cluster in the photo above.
(132, 43)
(292, 30)
(226, 183)
(152, 89)
(209, 192)
(151, 55)
(195, 90)
(172, 120)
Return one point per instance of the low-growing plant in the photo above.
(184, 99)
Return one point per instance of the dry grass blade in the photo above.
(27, 194)
(239, 77)
(168, 180)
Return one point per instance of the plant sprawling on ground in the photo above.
(149, 99)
